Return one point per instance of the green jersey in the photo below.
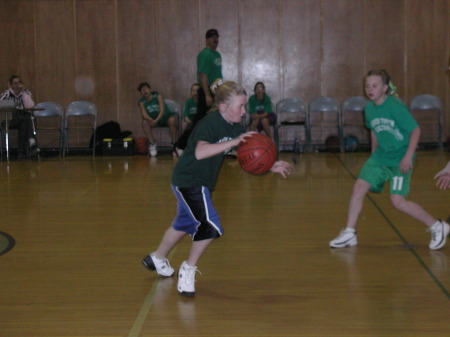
(392, 124)
(209, 62)
(191, 172)
(255, 105)
(152, 106)
(190, 108)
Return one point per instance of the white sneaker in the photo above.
(161, 266)
(347, 238)
(186, 279)
(439, 232)
(153, 149)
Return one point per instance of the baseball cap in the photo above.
(212, 32)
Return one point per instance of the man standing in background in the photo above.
(209, 68)
(209, 64)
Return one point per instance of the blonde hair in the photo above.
(224, 91)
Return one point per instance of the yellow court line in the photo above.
(145, 309)
(143, 313)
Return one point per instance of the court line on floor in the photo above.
(405, 241)
(143, 313)
(145, 309)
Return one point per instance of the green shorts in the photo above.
(377, 175)
(163, 120)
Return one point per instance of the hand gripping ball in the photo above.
(257, 154)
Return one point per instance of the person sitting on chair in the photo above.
(155, 113)
(190, 106)
(260, 110)
(21, 120)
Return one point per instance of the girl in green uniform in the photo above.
(395, 135)
(260, 110)
(155, 113)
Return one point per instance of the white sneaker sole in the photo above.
(348, 243)
(441, 244)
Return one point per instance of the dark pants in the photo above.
(21, 121)
(202, 109)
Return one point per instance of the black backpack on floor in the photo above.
(108, 130)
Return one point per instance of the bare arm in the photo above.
(205, 150)
(374, 141)
(443, 177)
(407, 162)
(161, 108)
(143, 112)
(28, 102)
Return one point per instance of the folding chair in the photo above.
(80, 116)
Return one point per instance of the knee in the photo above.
(360, 188)
(397, 201)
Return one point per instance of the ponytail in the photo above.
(224, 91)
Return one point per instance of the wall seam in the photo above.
(75, 46)
(281, 71)
(35, 49)
(116, 32)
(405, 52)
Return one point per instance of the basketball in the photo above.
(333, 144)
(257, 154)
(351, 143)
(141, 145)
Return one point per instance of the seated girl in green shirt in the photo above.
(155, 113)
(260, 110)
(190, 106)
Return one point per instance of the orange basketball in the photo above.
(257, 154)
(141, 145)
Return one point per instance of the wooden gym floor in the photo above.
(83, 224)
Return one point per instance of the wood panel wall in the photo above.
(299, 48)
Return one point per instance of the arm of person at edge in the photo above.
(443, 177)
(205, 150)
(407, 162)
(205, 87)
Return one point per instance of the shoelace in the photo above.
(166, 263)
(163, 263)
(190, 273)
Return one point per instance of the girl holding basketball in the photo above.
(194, 178)
(395, 135)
